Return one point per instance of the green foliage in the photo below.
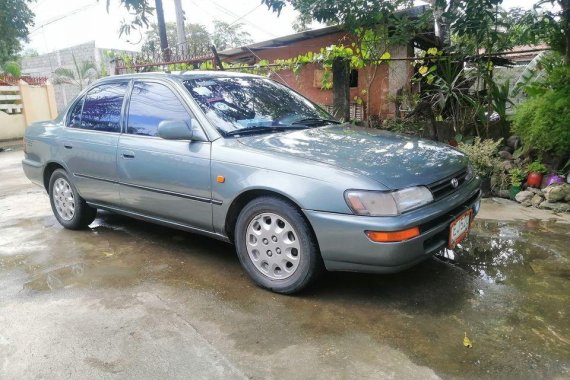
(447, 89)
(12, 68)
(480, 24)
(349, 13)
(544, 23)
(543, 120)
(482, 155)
(15, 19)
(500, 97)
(536, 167)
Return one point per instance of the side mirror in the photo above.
(175, 130)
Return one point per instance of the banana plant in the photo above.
(81, 75)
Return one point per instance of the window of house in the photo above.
(353, 78)
(102, 108)
(150, 104)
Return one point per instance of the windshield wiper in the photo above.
(314, 120)
(256, 130)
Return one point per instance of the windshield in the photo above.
(240, 104)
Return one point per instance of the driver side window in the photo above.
(150, 104)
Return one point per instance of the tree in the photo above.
(549, 24)
(15, 19)
(348, 13)
(151, 44)
(228, 35)
(198, 39)
(81, 75)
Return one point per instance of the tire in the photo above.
(70, 210)
(276, 246)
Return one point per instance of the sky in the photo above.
(64, 23)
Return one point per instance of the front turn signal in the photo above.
(393, 236)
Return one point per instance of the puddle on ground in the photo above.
(507, 287)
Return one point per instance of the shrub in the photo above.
(543, 121)
(482, 155)
(12, 68)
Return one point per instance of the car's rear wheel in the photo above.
(70, 210)
(276, 246)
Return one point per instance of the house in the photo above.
(390, 77)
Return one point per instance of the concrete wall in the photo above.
(11, 126)
(34, 103)
(45, 65)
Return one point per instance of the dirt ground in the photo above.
(128, 299)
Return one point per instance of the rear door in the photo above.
(89, 141)
(168, 179)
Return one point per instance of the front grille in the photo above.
(444, 187)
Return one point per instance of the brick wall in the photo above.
(303, 82)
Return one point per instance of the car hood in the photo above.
(393, 160)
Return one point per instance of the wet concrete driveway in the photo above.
(128, 299)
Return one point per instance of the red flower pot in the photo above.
(534, 179)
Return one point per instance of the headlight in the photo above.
(376, 203)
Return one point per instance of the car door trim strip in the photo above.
(153, 189)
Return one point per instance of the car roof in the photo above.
(194, 74)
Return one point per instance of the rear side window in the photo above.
(150, 104)
(102, 108)
(75, 114)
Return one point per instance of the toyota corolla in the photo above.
(247, 160)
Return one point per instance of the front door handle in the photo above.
(67, 146)
(128, 154)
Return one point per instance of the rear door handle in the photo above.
(67, 146)
(128, 154)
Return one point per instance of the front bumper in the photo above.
(345, 247)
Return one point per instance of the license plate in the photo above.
(459, 228)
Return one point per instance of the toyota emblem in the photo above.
(454, 183)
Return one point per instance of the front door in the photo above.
(89, 142)
(167, 179)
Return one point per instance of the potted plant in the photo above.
(517, 178)
(536, 171)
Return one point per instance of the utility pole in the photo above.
(162, 30)
(181, 34)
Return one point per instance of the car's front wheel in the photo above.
(276, 246)
(70, 210)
